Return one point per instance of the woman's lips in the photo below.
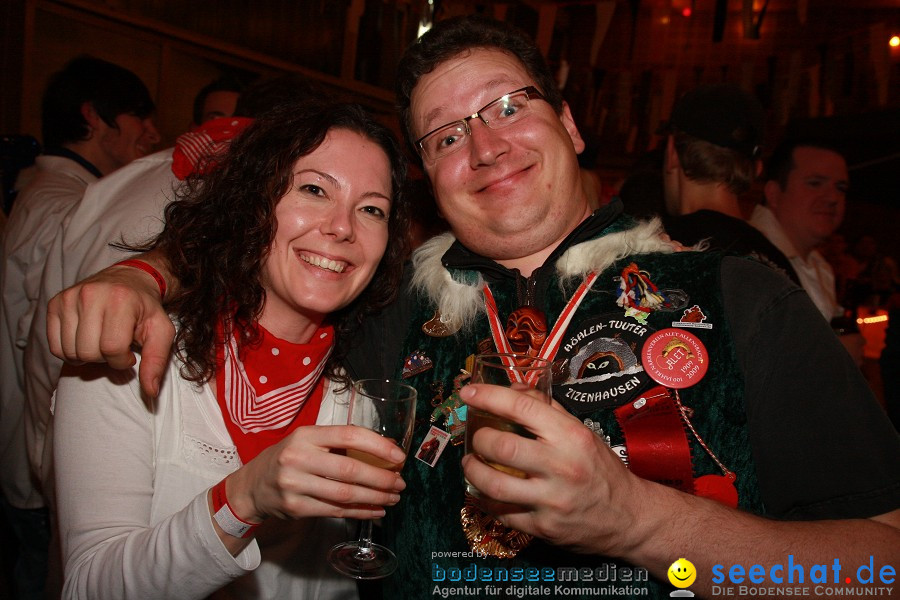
(315, 260)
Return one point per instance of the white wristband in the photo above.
(230, 524)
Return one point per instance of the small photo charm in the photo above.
(432, 446)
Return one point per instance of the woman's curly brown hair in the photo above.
(220, 228)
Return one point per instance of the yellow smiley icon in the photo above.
(682, 573)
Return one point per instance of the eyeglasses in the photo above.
(503, 111)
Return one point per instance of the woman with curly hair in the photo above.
(226, 484)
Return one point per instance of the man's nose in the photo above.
(485, 144)
(835, 194)
(151, 133)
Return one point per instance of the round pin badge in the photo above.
(675, 358)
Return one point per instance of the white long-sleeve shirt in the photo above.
(132, 480)
(57, 185)
(126, 205)
(815, 274)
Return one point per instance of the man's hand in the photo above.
(98, 319)
(577, 494)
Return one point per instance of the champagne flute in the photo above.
(387, 408)
(515, 371)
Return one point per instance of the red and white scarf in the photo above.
(199, 151)
(267, 390)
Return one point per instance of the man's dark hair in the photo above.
(228, 83)
(781, 163)
(709, 163)
(456, 35)
(112, 90)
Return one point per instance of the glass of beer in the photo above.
(389, 409)
(515, 371)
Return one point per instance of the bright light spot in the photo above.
(870, 320)
(895, 41)
(664, 20)
(426, 22)
(686, 11)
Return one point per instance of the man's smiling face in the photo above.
(510, 192)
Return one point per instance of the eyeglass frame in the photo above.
(531, 92)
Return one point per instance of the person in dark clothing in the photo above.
(711, 156)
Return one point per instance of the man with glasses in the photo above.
(691, 366)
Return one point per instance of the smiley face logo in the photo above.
(682, 573)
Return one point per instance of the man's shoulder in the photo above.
(57, 179)
(138, 190)
(157, 166)
(707, 224)
(54, 172)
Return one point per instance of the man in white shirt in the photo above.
(96, 117)
(805, 194)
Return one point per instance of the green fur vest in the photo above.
(597, 369)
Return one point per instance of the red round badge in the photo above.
(674, 358)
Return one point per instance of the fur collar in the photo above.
(459, 301)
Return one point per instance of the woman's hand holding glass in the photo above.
(387, 408)
(302, 476)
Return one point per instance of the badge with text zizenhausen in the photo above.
(598, 364)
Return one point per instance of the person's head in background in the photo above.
(806, 189)
(216, 99)
(195, 152)
(713, 139)
(99, 110)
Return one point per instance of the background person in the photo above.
(96, 117)
(806, 194)
(712, 147)
(805, 197)
(216, 99)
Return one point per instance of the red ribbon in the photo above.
(657, 443)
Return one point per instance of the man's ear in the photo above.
(670, 158)
(772, 193)
(89, 113)
(569, 123)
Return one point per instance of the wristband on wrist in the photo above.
(230, 523)
(146, 268)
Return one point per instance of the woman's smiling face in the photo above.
(332, 230)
